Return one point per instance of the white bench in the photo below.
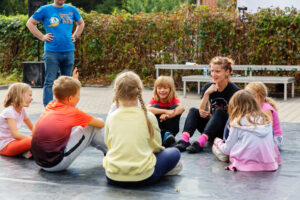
(248, 74)
(245, 68)
(243, 79)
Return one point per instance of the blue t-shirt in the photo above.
(59, 22)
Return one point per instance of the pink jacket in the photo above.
(251, 148)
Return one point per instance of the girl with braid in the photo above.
(135, 154)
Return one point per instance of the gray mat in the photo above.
(203, 177)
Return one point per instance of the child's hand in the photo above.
(75, 73)
(217, 140)
(170, 113)
(204, 113)
(163, 117)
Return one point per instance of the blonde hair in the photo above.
(128, 86)
(65, 86)
(243, 104)
(261, 90)
(225, 62)
(165, 81)
(15, 95)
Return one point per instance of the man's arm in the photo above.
(31, 25)
(78, 30)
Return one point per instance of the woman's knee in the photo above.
(193, 112)
(220, 111)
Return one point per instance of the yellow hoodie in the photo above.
(130, 155)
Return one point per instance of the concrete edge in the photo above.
(4, 87)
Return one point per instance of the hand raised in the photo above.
(75, 73)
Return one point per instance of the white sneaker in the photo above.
(176, 170)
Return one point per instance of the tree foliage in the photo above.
(147, 6)
(111, 43)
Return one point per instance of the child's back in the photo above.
(135, 156)
(251, 148)
(129, 144)
(63, 131)
(250, 144)
(53, 131)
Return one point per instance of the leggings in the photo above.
(170, 125)
(212, 127)
(16, 147)
(166, 160)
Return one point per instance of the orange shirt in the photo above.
(52, 132)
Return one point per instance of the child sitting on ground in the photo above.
(12, 142)
(260, 92)
(250, 144)
(63, 131)
(135, 156)
(167, 109)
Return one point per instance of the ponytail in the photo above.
(150, 128)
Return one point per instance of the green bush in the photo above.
(112, 43)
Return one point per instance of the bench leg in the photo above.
(285, 92)
(198, 88)
(172, 73)
(184, 89)
(293, 89)
(157, 73)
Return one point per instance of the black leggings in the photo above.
(212, 127)
(171, 125)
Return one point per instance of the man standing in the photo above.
(57, 19)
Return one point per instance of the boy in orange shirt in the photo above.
(63, 131)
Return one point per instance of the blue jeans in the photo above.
(54, 61)
(165, 161)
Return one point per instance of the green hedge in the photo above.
(111, 43)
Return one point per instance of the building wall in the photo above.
(210, 3)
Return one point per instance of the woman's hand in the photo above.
(204, 113)
(212, 88)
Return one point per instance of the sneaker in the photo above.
(221, 156)
(27, 154)
(194, 148)
(169, 140)
(176, 170)
(182, 145)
